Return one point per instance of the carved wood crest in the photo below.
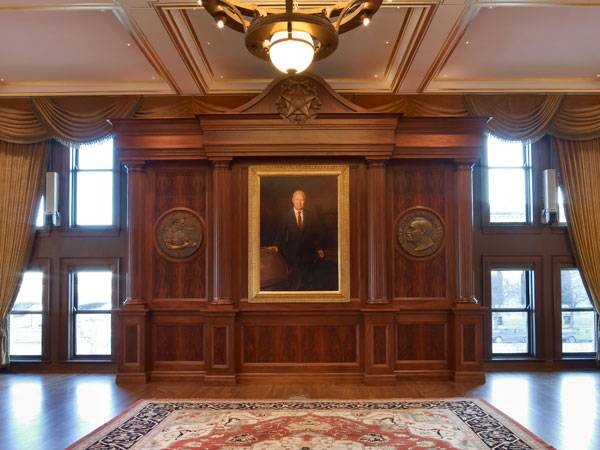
(420, 232)
(299, 100)
(179, 233)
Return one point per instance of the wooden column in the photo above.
(221, 237)
(136, 185)
(133, 314)
(376, 210)
(464, 231)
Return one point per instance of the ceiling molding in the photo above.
(104, 87)
(178, 24)
(432, 83)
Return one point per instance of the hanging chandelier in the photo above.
(291, 39)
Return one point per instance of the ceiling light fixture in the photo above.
(291, 39)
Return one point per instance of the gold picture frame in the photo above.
(317, 268)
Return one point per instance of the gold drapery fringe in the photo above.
(21, 169)
(82, 119)
(579, 168)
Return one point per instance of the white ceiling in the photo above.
(82, 47)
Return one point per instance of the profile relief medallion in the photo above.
(179, 233)
(420, 232)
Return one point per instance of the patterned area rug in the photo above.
(310, 425)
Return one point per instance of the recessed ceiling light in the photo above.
(2, 80)
(153, 77)
(221, 77)
(207, 42)
(376, 75)
(598, 75)
(467, 42)
(387, 42)
(128, 44)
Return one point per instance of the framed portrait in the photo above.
(298, 233)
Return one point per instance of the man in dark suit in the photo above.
(300, 240)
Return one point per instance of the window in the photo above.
(508, 181)
(26, 317)
(512, 311)
(92, 184)
(578, 319)
(562, 215)
(92, 296)
(39, 218)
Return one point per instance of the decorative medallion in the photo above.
(299, 100)
(179, 233)
(420, 232)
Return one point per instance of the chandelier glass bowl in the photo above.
(291, 38)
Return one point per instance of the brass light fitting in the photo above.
(291, 38)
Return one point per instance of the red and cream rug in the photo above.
(310, 425)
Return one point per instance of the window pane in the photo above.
(94, 198)
(572, 290)
(578, 332)
(94, 290)
(510, 332)
(92, 334)
(29, 297)
(25, 334)
(507, 195)
(509, 289)
(504, 153)
(96, 156)
(39, 218)
(562, 215)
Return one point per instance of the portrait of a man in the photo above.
(295, 232)
(301, 240)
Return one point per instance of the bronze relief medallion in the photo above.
(179, 233)
(420, 232)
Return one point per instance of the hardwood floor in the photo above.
(50, 411)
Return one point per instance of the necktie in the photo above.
(300, 224)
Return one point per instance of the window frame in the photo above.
(68, 267)
(531, 195)
(559, 263)
(535, 308)
(72, 170)
(42, 265)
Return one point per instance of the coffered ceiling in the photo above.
(70, 47)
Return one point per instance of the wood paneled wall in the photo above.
(406, 316)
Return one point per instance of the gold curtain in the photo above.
(21, 171)
(79, 119)
(580, 166)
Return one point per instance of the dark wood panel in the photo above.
(380, 343)
(295, 344)
(422, 341)
(176, 342)
(177, 186)
(220, 346)
(131, 344)
(469, 344)
(429, 186)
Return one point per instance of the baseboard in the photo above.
(427, 375)
(299, 378)
(471, 377)
(158, 375)
(220, 380)
(131, 378)
(379, 380)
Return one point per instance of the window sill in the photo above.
(90, 232)
(511, 229)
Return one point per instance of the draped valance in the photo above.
(78, 119)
